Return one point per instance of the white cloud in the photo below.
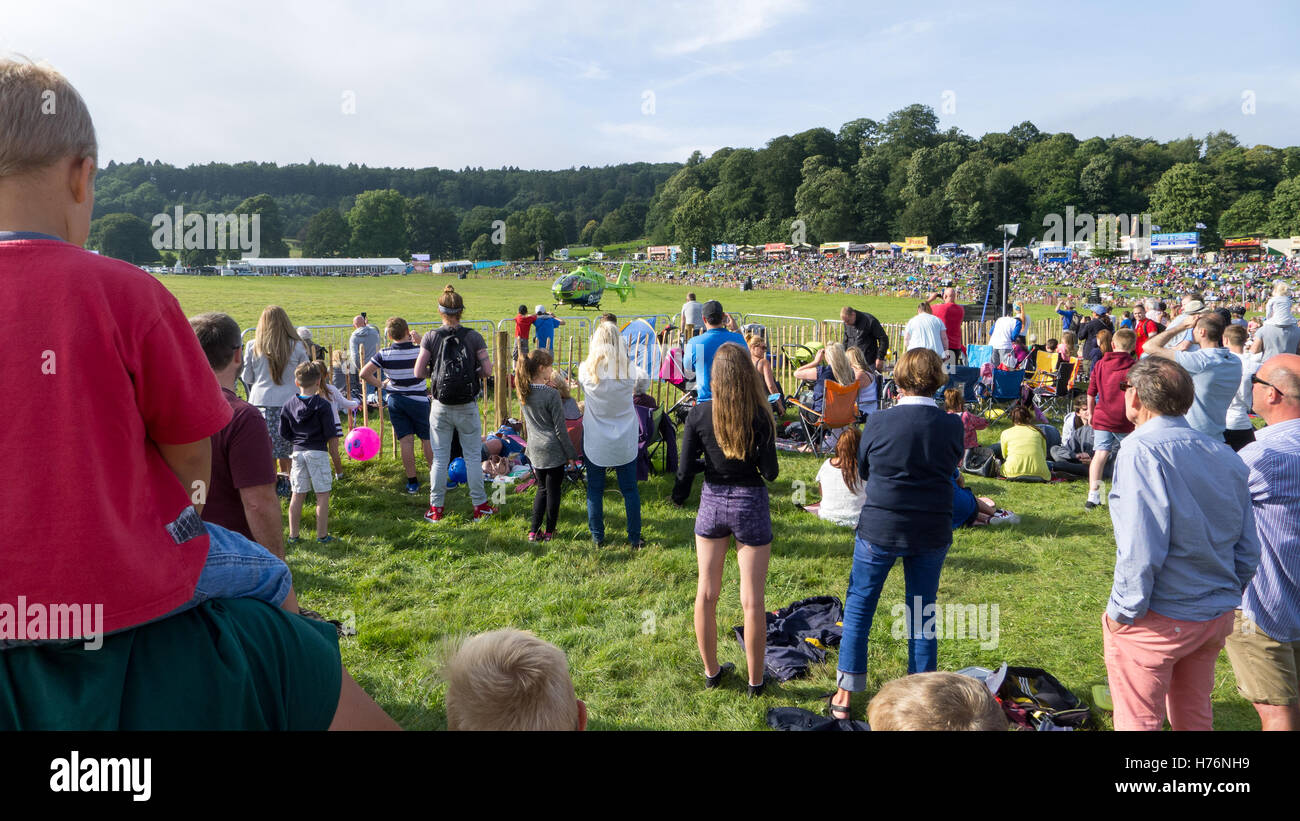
(721, 22)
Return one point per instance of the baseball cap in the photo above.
(540, 309)
(304, 332)
(713, 311)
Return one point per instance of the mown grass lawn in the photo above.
(624, 618)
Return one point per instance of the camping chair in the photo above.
(1056, 396)
(1004, 393)
(978, 355)
(965, 378)
(1045, 367)
(839, 409)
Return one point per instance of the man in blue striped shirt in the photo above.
(405, 395)
(1186, 548)
(1264, 647)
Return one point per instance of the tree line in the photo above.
(870, 181)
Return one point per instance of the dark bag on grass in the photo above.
(980, 461)
(1033, 699)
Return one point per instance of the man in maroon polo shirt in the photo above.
(241, 494)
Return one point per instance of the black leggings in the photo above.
(549, 483)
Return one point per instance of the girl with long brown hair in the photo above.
(269, 362)
(734, 436)
(843, 492)
(549, 445)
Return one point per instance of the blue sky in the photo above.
(568, 83)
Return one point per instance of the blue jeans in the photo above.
(238, 568)
(871, 566)
(596, 501)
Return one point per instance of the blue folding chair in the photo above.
(967, 380)
(1005, 393)
(978, 355)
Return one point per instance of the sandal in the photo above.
(837, 711)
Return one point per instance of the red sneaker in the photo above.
(480, 511)
(434, 514)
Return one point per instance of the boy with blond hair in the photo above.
(935, 701)
(308, 422)
(511, 680)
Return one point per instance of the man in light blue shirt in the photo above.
(1264, 647)
(698, 357)
(1216, 373)
(1186, 547)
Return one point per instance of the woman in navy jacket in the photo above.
(907, 457)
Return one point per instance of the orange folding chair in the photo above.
(839, 409)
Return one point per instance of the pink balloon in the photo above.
(362, 444)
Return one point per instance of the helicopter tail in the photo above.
(624, 284)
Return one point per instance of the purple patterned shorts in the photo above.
(733, 510)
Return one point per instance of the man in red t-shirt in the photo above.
(1143, 326)
(952, 315)
(523, 326)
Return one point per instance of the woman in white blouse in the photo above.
(609, 428)
(269, 361)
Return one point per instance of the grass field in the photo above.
(624, 618)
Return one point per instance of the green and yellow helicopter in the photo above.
(584, 286)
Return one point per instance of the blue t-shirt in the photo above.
(1067, 319)
(545, 327)
(699, 356)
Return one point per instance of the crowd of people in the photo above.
(180, 544)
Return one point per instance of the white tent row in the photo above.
(265, 266)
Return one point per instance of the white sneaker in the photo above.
(1004, 517)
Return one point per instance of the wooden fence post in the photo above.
(501, 373)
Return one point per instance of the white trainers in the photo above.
(1004, 517)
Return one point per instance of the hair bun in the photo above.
(449, 289)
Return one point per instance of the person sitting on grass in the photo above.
(969, 510)
(1075, 452)
(1024, 446)
(549, 445)
(510, 680)
(307, 422)
(843, 493)
(935, 701)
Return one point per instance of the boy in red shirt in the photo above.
(103, 498)
(523, 326)
(1105, 411)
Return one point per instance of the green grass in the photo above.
(624, 618)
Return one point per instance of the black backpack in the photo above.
(455, 378)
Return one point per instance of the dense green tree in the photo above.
(378, 222)
(1248, 215)
(271, 226)
(1184, 196)
(123, 236)
(482, 248)
(327, 235)
(695, 225)
(588, 231)
(1284, 210)
(825, 201)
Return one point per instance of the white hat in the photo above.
(304, 332)
(540, 309)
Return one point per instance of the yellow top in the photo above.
(1024, 452)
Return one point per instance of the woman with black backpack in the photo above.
(457, 359)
